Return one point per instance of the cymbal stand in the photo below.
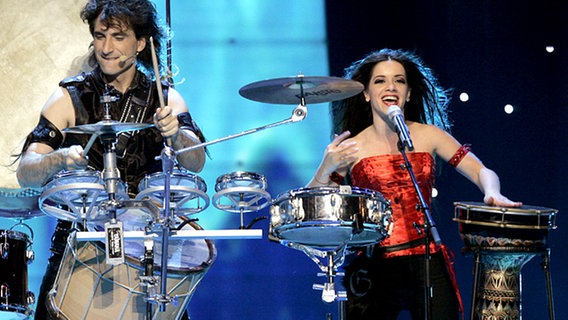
(167, 222)
(335, 259)
(298, 114)
(111, 175)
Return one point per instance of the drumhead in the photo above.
(322, 191)
(75, 195)
(524, 217)
(179, 177)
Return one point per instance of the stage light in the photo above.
(464, 97)
(434, 192)
(550, 49)
(509, 108)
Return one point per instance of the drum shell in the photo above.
(324, 216)
(187, 191)
(87, 287)
(14, 275)
(487, 226)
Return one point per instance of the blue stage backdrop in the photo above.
(220, 46)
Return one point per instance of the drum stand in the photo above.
(243, 192)
(498, 273)
(335, 259)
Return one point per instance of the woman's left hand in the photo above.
(500, 200)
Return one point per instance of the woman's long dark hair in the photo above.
(428, 100)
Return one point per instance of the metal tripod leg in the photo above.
(477, 262)
(546, 269)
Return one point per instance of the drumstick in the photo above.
(90, 144)
(157, 73)
(158, 82)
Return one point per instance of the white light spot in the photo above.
(434, 192)
(550, 49)
(509, 108)
(464, 97)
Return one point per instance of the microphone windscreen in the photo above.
(393, 111)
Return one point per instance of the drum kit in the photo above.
(128, 255)
(144, 257)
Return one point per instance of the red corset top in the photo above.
(386, 174)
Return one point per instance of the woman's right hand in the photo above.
(340, 153)
(338, 156)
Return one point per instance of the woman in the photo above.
(366, 151)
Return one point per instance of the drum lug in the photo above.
(5, 292)
(5, 250)
(30, 256)
(30, 298)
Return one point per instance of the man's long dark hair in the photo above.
(140, 15)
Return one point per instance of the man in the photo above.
(121, 58)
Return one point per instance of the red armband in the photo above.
(336, 177)
(459, 155)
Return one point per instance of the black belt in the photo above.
(398, 247)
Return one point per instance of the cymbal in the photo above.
(108, 126)
(19, 203)
(289, 90)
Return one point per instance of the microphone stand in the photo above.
(429, 229)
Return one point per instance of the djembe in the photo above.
(502, 241)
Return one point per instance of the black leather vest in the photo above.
(137, 150)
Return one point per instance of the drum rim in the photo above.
(525, 209)
(20, 235)
(329, 190)
(77, 172)
(280, 234)
(176, 173)
(240, 175)
(548, 216)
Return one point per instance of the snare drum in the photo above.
(75, 195)
(15, 255)
(87, 287)
(494, 227)
(330, 217)
(240, 192)
(187, 191)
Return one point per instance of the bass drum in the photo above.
(327, 217)
(87, 287)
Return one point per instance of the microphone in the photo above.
(122, 59)
(397, 118)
